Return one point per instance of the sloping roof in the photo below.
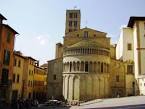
(10, 28)
(133, 19)
(87, 29)
(2, 17)
(92, 30)
(87, 43)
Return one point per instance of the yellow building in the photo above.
(28, 77)
(29, 80)
(18, 69)
(39, 83)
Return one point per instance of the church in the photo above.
(87, 66)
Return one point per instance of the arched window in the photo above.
(82, 50)
(82, 66)
(74, 66)
(67, 66)
(70, 67)
(105, 67)
(88, 51)
(86, 66)
(101, 67)
(78, 66)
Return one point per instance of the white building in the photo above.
(131, 47)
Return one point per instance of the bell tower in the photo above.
(73, 19)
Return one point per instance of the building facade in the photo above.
(131, 48)
(91, 66)
(17, 81)
(54, 79)
(39, 83)
(86, 65)
(7, 39)
(28, 77)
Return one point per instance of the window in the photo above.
(86, 66)
(70, 30)
(29, 72)
(5, 75)
(129, 68)
(75, 23)
(101, 67)
(15, 62)
(70, 23)
(70, 15)
(129, 47)
(19, 63)
(133, 84)
(6, 60)
(14, 76)
(18, 78)
(78, 64)
(32, 72)
(54, 77)
(8, 37)
(117, 78)
(85, 34)
(75, 15)
(70, 67)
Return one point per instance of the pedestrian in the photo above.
(36, 102)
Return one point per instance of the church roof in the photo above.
(86, 28)
(87, 43)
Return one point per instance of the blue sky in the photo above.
(41, 23)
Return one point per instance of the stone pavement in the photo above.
(113, 102)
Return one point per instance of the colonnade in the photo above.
(87, 66)
(86, 87)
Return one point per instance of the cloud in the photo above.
(42, 39)
(38, 37)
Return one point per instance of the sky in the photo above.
(41, 23)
